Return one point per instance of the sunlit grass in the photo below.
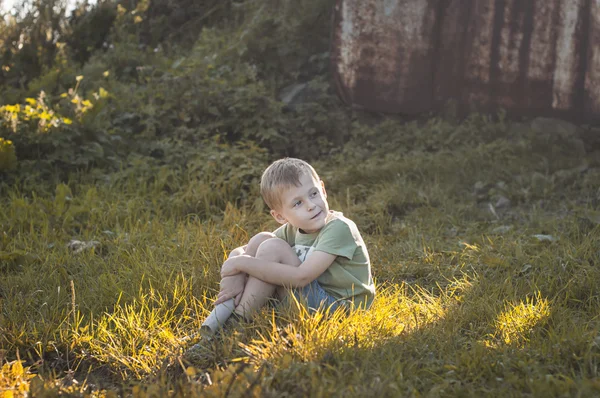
(14, 379)
(136, 338)
(515, 324)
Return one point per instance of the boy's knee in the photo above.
(257, 240)
(236, 252)
(273, 248)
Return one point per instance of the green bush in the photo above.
(89, 29)
(53, 135)
(28, 44)
(165, 98)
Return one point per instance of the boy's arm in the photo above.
(277, 273)
(233, 286)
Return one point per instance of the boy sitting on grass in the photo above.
(316, 252)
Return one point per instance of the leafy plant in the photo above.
(36, 115)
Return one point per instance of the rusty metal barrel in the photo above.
(529, 57)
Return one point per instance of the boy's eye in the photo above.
(297, 203)
(313, 194)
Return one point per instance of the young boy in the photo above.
(316, 252)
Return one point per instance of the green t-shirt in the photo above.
(349, 276)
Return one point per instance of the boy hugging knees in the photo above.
(317, 254)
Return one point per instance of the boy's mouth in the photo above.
(316, 215)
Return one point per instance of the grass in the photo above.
(475, 296)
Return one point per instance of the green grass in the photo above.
(470, 302)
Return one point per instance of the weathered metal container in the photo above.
(530, 57)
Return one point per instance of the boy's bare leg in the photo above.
(223, 311)
(257, 292)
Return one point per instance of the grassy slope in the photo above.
(470, 302)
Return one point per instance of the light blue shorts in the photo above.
(316, 297)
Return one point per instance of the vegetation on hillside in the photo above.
(132, 138)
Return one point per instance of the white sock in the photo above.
(217, 317)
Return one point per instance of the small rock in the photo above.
(502, 229)
(78, 246)
(502, 203)
(545, 238)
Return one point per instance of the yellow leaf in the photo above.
(137, 19)
(103, 93)
(87, 103)
(63, 95)
(17, 369)
(66, 120)
(190, 371)
(75, 100)
(13, 108)
(79, 78)
(45, 116)
(106, 73)
(31, 101)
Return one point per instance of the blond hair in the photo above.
(282, 174)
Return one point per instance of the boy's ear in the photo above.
(323, 186)
(278, 217)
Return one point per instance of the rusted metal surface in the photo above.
(530, 57)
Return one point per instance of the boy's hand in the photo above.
(230, 268)
(231, 286)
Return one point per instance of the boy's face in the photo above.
(305, 207)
